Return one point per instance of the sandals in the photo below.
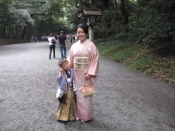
(79, 119)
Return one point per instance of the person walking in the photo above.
(32, 38)
(73, 37)
(84, 58)
(52, 42)
(62, 43)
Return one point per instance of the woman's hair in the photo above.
(60, 63)
(84, 27)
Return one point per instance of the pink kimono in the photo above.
(84, 58)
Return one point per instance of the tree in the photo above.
(4, 4)
(153, 21)
(135, 20)
(17, 13)
(123, 8)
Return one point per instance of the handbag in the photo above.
(88, 90)
(53, 41)
(59, 93)
(63, 99)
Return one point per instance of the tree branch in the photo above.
(15, 2)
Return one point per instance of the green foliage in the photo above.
(128, 53)
(31, 17)
(117, 50)
(141, 62)
(139, 58)
(122, 55)
(108, 24)
(5, 2)
(19, 17)
(153, 21)
(4, 6)
(148, 21)
(109, 48)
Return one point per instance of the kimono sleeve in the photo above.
(94, 63)
(62, 81)
(59, 79)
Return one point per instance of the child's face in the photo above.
(66, 66)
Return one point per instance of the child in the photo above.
(65, 93)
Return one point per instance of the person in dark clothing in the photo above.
(56, 36)
(62, 39)
(73, 38)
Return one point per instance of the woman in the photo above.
(51, 45)
(84, 58)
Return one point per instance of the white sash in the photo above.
(81, 63)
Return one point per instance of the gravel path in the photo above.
(126, 100)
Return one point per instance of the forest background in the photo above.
(139, 33)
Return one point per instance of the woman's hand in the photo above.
(87, 76)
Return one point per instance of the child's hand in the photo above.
(61, 70)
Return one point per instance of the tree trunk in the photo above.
(115, 2)
(124, 11)
(24, 32)
(15, 2)
(4, 31)
(106, 2)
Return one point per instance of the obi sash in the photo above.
(81, 63)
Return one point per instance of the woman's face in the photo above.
(81, 35)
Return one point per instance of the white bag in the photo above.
(59, 93)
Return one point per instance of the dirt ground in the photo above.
(126, 100)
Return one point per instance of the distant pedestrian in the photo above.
(73, 38)
(65, 93)
(62, 44)
(36, 39)
(32, 38)
(52, 42)
(56, 36)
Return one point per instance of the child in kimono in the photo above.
(65, 93)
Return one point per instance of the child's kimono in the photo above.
(66, 111)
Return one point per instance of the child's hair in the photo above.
(61, 61)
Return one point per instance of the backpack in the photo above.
(53, 41)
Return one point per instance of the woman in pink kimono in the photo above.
(84, 58)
